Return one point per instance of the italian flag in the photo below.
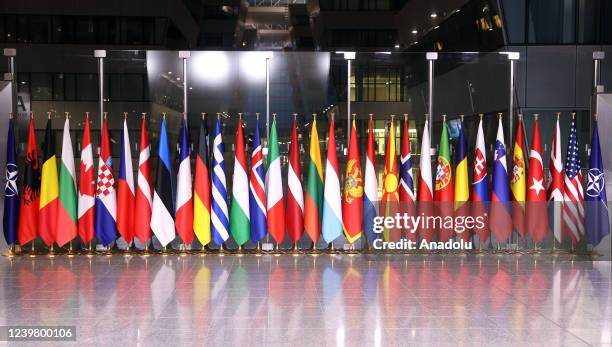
(274, 189)
(239, 212)
(67, 208)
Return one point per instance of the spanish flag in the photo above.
(313, 199)
(518, 182)
(49, 189)
(390, 196)
(352, 199)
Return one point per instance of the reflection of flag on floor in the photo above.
(184, 200)
(573, 209)
(370, 196)
(332, 202)
(106, 200)
(201, 188)
(500, 221)
(536, 218)
(67, 207)
(517, 180)
(142, 213)
(555, 187)
(274, 189)
(313, 199)
(257, 193)
(11, 192)
(425, 191)
(352, 204)
(49, 189)
(295, 198)
(597, 218)
(239, 209)
(162, 210)
(87, 188)
(462, 184)
(480, 187)
(219, 219)
(125, 189)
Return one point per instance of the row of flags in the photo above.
(57, 209)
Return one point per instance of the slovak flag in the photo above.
(500, 221)
(106, 196)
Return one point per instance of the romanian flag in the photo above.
(444, 189)
(67, 207)
(201, 188)
(49, 189)
(517, 180)
(313, 199)
(390, 196)
(352, 202)
(462, 184)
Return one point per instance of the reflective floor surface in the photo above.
(313, 301)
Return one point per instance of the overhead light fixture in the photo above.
(433, 15)
(414, 31)
(436, 27)
(397, 45)
(169, 72)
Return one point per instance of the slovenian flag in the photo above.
(596, 205)
(219, 218)
(162, 211)
(11, 192)
(332, 202)
(106, 198)
(370, 196)
(184, 198)
(125, 189)
(500, 221)
(239, 213)
(257, 193)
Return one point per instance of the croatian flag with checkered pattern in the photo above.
(106, 200)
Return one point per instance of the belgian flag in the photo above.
(49, 189)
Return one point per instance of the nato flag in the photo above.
(596, 208)
(11, 194)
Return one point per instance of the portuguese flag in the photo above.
(239, 213)
(47, 213)
(313, 208)
(444, 193)
(67, 208)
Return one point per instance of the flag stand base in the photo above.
(221, 252)
(51, 253)
(258, 251)
(70, 252)
(183, 250)
(240, 251)
(295, 251)
(332, 249)
(12, 251)
(146, 251)
(127, 252)
(314, 251)
(164, 251)
(277, 250)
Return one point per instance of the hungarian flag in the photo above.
(257, 193)
(462, 184)
(67, 208)
(49, 189)
(536, 213)
(87, 188)
(184, 200)
(294, 215)
(425, 192)
(313, 209)
(596, 204)
(444, 190)
(144, 197)
(517, 181)
(573, 208)
(106, 196)
(162, 209)
(480, 187)
(125, 189)
(201, 188)
(10, 220)
(390, 196)
(274, 189)
(406, 185)
(239, 213)
(370, 187)
(219, 219)
(555, 186)
(499, 218)
(352, 202)
(331, 227)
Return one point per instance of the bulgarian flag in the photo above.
(352, 202)
(67, 208)
(49, 189)
(274, 189)
(444, 193)
(294, 216)
(313, 209)
(239, 212)
(518, 184)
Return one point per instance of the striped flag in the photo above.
(184, 200)
(352, 202)
(257, 193)
(370, 196)
(144, 189)
(49, 189)
(125, 189)
(67, 207)
(556, 186)
(162, 208)
(573, 209)
(444, 190)
(535, 211)
(106, 199)
(10, 220)
(313, 199)
(239, 213)
(201, 188)
(274, 189)
(596, 204)
(480, 187)
(87, 188)
(517, 180)
(462, 184)
(30, 193)
(390, 196)
(331, 227)
(294, 216)
(219, 218)
(499, 219)
(425, 191)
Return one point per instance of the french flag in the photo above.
(106, 197)
(125, 189)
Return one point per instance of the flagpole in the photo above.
(314, 250)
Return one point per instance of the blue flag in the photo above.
(162, 208)
(11, 193)
(257, 195)
(596, 208)
(219, 219)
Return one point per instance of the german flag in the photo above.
(201, 188)
(49, 189)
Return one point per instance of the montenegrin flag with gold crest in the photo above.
(352, 202)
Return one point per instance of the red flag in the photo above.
(294, 214)
(517, 181)
(87, 188)
(352, 197)
(144, 187)
(30, 194)
(125, 189)
(390, 196)
(537, 220)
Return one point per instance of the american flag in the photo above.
(573, 209)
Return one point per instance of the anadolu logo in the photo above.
(443, 173)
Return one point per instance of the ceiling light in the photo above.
(169, 72)
(433, 15)
(397, 45)
(414, 31)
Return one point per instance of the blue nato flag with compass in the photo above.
(596, 205)
(11, 194)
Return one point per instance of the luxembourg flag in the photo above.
(332, 200)
(106, 197)
(184, 200)
(500, 221)
(125, 189)
(370, 196)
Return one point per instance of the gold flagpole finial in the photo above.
(125, 115)
(257, 115)
(520, 116)
(405, 116)
(144, 115)
(67, 114)
(274, 116)
(203, 115)
(481, 115)
(185, 115)
(461, 116)
(105, 114)
(314, 117)
(444, 118)
(163, 115)
(239, 115)
(218, 115)
(535, 116)
(573, 115)
(31, 114)
(371, 115)
(392, 116)
(499, 115)
(10, 115)
(87, 115)
(595, 115)
(48, 114)
(331, 114)
(295, 116)
(558, 115)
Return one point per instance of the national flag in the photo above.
(274, 189)
(535, 211)
(556, 186)
(162, 208)
(49, 189)
(87, 188)
(219, 219)
(332, 200)
(370, 196)
(444, 190)
(573, 209)
(67, 207)
(184, 197)
(596, 204)
(10, 220)
(517, 180)
(201, 188)
(425, 191)
(352, 204)
(390, 195)
(106, 196)
(294, 214)
(499, 218)
(257, 193)
(462, 184)
(125, 189)
(313, 199)
(144, 189)
(480, 187)
(406, 185)
(239, 212)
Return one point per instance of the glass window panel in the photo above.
(87, 87)
(58, 86)
(41, 86)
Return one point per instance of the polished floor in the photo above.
(313, 301)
